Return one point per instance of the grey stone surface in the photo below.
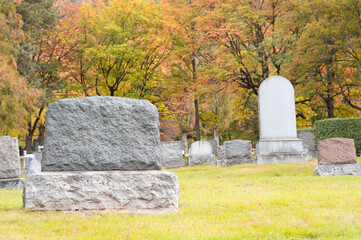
(221, 152)
(27, 159)
(337, 170)
(12, 183)
(10, 166)
(101, 133)
(34, 167)
(171, 154)
(201, 152)
(237, 152)
(123, 190)
(308, 141)
(214, 145)
(278, 133)
(277, 113)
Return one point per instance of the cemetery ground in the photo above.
(273, 201)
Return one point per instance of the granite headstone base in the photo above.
(12, 183)
(128, 191)
(201, 159)
(280, 151)
(233, 161)
(337, 170)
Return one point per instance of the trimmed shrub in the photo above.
(339, 127)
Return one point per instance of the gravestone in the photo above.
(308, 141)
(201, 152)
(101, 153)
(278, 133)
(214, 145)
(337, 156)
(171, 154)
(10, 167)
(110, 133)
(236, 152)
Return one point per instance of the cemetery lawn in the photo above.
(276, 201)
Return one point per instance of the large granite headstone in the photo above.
(337, 156)
(101, 153)
(171, 154)
(101, 133)
(236, 152)
(201, 152)
(278, 133)
(308, 141)
(10, 167)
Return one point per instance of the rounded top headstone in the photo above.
(277, 115)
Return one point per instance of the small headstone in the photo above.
(237, 152)
(308, 140)
(337, 156)
(171, 154)
(201, 152)
(336, 151)
(277, 116)
(214, 145)
(10, 166)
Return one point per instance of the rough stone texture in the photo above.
(34, 167)
(101, 133)
(27, 160)
(336, 151)
(221, 152)
(123, 190)
(308, 141)
(236, 152)
(201, 152)
(10, 166)
(337, 170)
(278, 133)
(13, 183)
(214, 147)
(171, 154)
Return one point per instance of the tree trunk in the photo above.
(198, 134)
(28, 143)
(184, 143)
(330, 108)
(41, 134)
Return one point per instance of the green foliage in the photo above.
(339, 127)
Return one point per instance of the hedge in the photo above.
(339, 127)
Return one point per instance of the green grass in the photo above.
(276, 201)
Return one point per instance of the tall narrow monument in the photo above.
(277, 118)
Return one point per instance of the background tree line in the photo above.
(199, 61)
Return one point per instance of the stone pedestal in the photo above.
(280, 151)
(129, 191)
(12, 183)
(337, 170)
(201, 159)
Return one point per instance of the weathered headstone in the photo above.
(98, 154)
(171, 154)
(337, 156)
(214, 145)
(201, 152)
(101, 133)
(236, 152)
(10, 163)
(308, 141)
(278, 133)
